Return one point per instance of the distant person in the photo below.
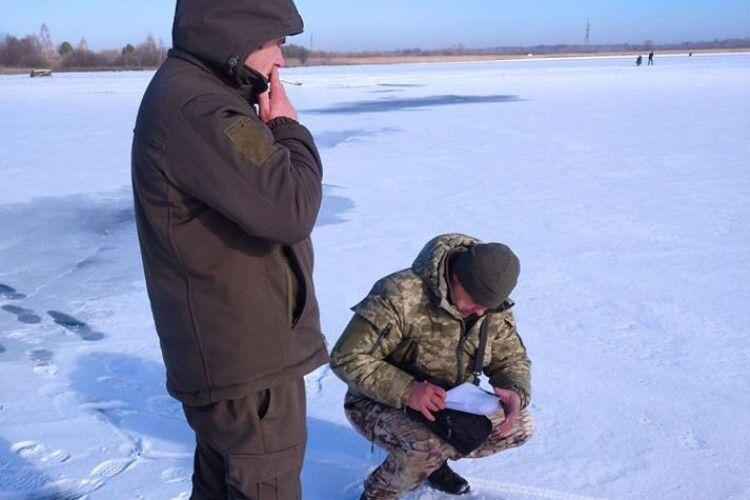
(651, 58)
(225, 198)
(638, 61)
(690, 54)
(419, 332)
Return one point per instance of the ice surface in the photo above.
(625, 191)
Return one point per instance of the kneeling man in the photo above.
(427, 320)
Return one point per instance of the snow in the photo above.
(623, 189)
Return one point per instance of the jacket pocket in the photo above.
(265, 403)
(298, 287)
(266, 476)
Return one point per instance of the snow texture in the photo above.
(624, 190)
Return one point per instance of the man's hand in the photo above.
(426, 398)
(275, 103)
(512, 408)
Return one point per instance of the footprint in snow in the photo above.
(27, 449)
(175, 475)
(76, 326)
(9, 293)
(23, 315)
(105, 471)
(40, 357)
(42, 360)
(34, 450)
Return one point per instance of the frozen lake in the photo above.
(624, 190)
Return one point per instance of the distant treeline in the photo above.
(38, 51)
(460, 50)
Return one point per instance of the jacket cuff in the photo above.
(280, 120)
(405, 394)
(284, 128)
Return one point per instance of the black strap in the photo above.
(479, 360)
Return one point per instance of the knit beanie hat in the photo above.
(488, 271)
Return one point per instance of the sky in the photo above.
(396, 24)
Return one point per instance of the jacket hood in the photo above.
(221, 33)
(430, 264)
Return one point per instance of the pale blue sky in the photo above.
(393, 24)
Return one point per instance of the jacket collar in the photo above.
(247, 82)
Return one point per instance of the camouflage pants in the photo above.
(414, 452)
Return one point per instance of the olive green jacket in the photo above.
(406, 324)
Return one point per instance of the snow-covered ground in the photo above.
(624, 190)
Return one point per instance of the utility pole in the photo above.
(588, 28)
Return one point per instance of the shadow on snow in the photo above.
(398, 104)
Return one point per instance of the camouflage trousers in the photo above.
(414, 452)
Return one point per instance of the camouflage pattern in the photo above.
(407, 321)
(414, 452)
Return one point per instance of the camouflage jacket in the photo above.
(406, 324)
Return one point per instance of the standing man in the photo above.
(428, 320)
(225, 199)
(651, 58)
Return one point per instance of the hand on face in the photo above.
(275, 103)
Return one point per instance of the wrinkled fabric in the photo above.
(224, 206)
(414, 452)
(250, 448)
(404, 329)
(407, 325)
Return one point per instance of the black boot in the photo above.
(444, 479)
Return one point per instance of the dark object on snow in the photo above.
(464, 431)
(7, 292)
(26, 316)
(76, 326)
(40, 72)
(448, 481)
(651, 58)
(638, 61)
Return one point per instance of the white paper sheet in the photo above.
(472, 399)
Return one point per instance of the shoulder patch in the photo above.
(249, 139)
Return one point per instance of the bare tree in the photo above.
(149, 54)
(82, 57)
(23, 52)
(45, 43)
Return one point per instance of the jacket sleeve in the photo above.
(358, 358)
(510, 367)
(267, 179)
